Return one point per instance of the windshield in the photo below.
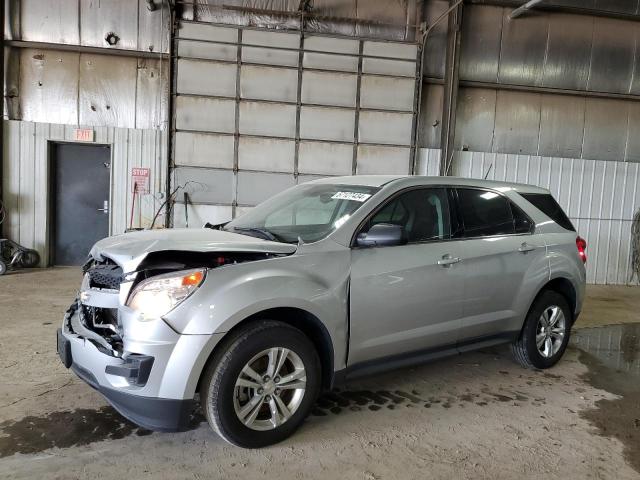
(308, 212)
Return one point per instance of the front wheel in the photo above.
(546, 331)
(263, 384)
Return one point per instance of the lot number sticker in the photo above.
(356, 197)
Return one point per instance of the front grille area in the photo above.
(105, 276)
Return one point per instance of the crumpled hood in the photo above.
(129, 249)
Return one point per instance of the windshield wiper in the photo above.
(266, 234)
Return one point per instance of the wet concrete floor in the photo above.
(611, 353)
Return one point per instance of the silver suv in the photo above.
(326, 281)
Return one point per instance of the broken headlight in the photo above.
(158, 295)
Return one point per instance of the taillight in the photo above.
(581, 244)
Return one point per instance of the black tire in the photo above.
(525, 350)
(29, 259)
(3, 268)
(220, 375)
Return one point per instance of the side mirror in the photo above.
(382, 235)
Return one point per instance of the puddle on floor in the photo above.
(66, 429)
(612, 355)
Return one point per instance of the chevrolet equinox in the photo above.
(328, 280)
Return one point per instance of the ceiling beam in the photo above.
(524, 8)
(549, 6)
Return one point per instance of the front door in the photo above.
(79, 200)
(406, 298)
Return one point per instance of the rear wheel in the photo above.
(263, 384)
(3, 268)
(546, 331)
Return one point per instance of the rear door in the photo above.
(406, 298)
(503, 259)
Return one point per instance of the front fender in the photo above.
(315, 282)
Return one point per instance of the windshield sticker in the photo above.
(354, 196)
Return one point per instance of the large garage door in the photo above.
(256, 111)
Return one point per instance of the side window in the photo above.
(484, 213)
(521, 222)
(424, 214)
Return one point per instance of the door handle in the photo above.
(447, 260)
(525, 247)
(105, 207)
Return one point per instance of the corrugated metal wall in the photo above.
(600, 197)
(26, 174)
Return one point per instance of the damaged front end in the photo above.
(143, 366)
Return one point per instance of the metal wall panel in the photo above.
(431, 116)
(605, 129)
(555, 50)
(266, 154)
(274, 120)
(205, 50)
(49, 85)
(254, 188)
(614, 43)
(387, 93)
(152, 94)
(373, 160)
(561, 126)
(325, 158)
(322, 123)
(210, 33)
(600, 197)
(99, 18)
(380, 66)
(265, 83)
(385, 127)
(194, 113)
(107, 90)
(480, 49)
(568, 52)
(269, 56)
(428, 162)
(205, 185)
(203, 150)
(153, 27)
(330, 62)
(633, 139)
(329, 88)
(475, 119)
(523, 48)
(47, 21)
(517, 122)
(26, 177)
(436, 46)
(206, 78)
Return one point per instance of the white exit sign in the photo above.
(83, 135)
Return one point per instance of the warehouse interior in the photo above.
(123, 115)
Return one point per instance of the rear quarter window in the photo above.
(548, 205)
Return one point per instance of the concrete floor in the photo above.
(477, 415)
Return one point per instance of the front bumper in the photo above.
(152, 382)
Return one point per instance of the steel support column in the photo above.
(451, 86)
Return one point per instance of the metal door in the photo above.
(79, 200)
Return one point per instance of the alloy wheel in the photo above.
(269, 389)
(550, 331)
